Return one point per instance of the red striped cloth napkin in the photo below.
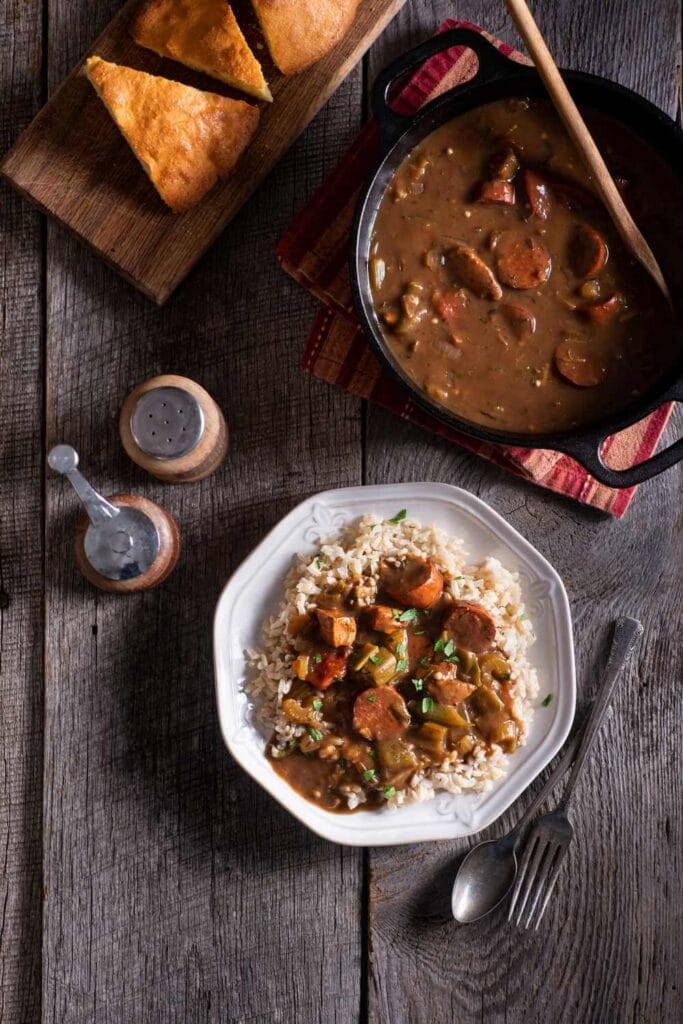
(314, 250)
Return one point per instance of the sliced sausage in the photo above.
(471, 270)
(519, 319)
(380, 713)
(497, 191)
(576, 362)
(445, 687)
(522, 260)
(449, 304)
(601, 312)
(538, 194)
(325, 668)
(382, 619)
(470, 626)
(414, 583)
(336, 628)
(504, 165)
(588, 251)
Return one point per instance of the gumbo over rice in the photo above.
(394, 668)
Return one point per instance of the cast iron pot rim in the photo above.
(514, 79)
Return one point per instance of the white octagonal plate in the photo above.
(255, 592)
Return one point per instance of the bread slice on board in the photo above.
(300, 32)
(204, 35)
(184, 138)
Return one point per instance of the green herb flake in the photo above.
(458, 578)
(409, 615)
(439, 645)
(376, 659)
(546, 700)
(401, 665)
(417, 683)
(427, 705)
(319, 561)
(401, 648)
(399, 517)
(418, 632)
(425, 662)
(315, 734)
(372, 698)
(449, 649)
(523, 617)
(370, 775)
(317, 704)
(389, 791)
(317, 658)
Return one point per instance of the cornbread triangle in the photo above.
(300, 32)
(184, 138)
(204, 35)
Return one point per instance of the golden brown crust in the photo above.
(184, 138)
(204, 35)
(300, 32)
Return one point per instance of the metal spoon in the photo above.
(488, 872)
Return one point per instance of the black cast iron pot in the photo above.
(499, 78)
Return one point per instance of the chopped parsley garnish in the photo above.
(376, 659)
(399, 517)
(409, 615)
(458, 578)
(546, 700)
(401, 648)
(315, 734)
(427, 705)
(425, 662)
(370, 775)
(417, 683)
(317, 658)
(317, 704)
(439, 645)
(524, 616)
(401, 665)
(449, 649)
(389, 791)
(418, 632)
(372, 698)
(319, 561)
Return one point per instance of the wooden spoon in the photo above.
(583, 140)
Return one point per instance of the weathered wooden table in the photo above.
(144, 877)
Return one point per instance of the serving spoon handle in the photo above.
(584, 142)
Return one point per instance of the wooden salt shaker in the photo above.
(171, 427)
(124, 544)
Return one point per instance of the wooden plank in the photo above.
(21, 547)
(176, 890)
(609, 948)
(74, 165)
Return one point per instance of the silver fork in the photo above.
(550, 837)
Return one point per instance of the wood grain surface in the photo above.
(174, 890)
(73, 164)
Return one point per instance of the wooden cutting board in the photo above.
(73, 163)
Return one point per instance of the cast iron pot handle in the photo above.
(586, 450)
(492, 65)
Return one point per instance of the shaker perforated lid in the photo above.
(167, 422)
(121, 542)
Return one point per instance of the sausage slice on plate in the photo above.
(522, 260)
(471, 627)
(601, 312)
(380, 713)
(414, 583)
(588, 251)
(470, 269)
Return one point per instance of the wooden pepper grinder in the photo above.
(171, 427)
(125, 544)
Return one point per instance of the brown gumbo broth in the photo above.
(504, 291)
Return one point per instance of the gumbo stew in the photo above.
(501, 285)
(391, 683)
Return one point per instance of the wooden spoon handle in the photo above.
(576, 127)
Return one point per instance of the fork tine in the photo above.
(523, 865)
(535, 857)
(543, 870)
(552, 878)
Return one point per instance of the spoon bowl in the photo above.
(484, 879)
